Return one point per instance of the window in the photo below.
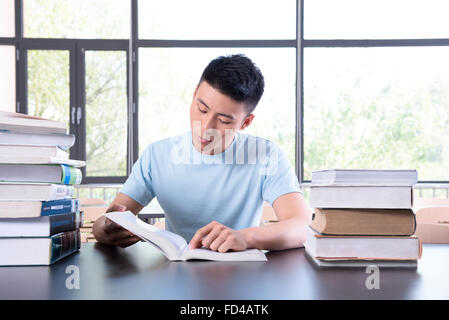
(163, 114)
(121, 74)
(7, 78)
(82, 19)
(375, 90)
(7, 19)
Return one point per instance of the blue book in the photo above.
(32, 209)
(41, 226)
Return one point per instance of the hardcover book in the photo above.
(175, 247)
(38, 251)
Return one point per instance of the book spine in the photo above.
(64, 222)
(60, 191)
(71, 175)
(64, 244)
(50, 208)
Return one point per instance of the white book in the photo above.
(19, 122)
(40, 250)
(362, 263)
(40, 173)
(362, 247)
(32, 159)
(32, 151)
(63, 141)
(35, 191)
(365, 176)
(175, 247)
(361, 197)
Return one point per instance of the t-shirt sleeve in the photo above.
(280, 177)
(139, 185)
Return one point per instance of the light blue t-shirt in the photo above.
(195, 189)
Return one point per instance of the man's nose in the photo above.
(207, 123)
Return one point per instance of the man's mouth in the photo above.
(205, 141)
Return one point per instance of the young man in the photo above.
(212, 181)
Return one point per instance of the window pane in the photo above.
(7, 28)
(206, 19)
(7, 78)
(167, 80)
(377, 108)
(106, 113)
(380, 19)
(48, 84)
(84, 19)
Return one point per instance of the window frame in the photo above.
(342, 43)
(131, 45)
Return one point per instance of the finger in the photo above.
(211, 236)
(219, 240)
(128, 242)
(116, 207)
(120, 235)
(196, 240)
(227, 245)
(110, 226)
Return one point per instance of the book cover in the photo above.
(361, 197)
(400, 222)
(41, 226)
(38, 251)
(365, 176)
(63, 141)
(35, 191)
(31, 209)
(45, 173)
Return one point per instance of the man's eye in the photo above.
(202, 111)
(224, 122)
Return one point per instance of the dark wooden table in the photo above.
(141, 272)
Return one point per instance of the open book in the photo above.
(173, 246)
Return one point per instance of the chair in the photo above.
(93, 208)
(432, 224)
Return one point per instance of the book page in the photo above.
(206, 254)
(170, 243)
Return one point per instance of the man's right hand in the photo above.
(108, 232)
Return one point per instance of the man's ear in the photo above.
(249, 118)
(194, 92)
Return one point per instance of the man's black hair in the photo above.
(237, 77)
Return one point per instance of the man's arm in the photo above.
(290, 232)
(108, 232)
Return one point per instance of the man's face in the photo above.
(215, 118)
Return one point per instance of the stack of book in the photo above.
(39, 219)
(363, 217)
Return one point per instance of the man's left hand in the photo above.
(218, 237)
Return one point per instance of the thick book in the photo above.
(175, 247)
(41, 226)
(38, 251)
(32, 159)
(30, 150)
(362, 247)
(35, 191)
(362, 263)
(32, 209)
(360, 197)
(44, 173)
(12, 121)
(393, 222)
(366, 176)
(63, 141)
